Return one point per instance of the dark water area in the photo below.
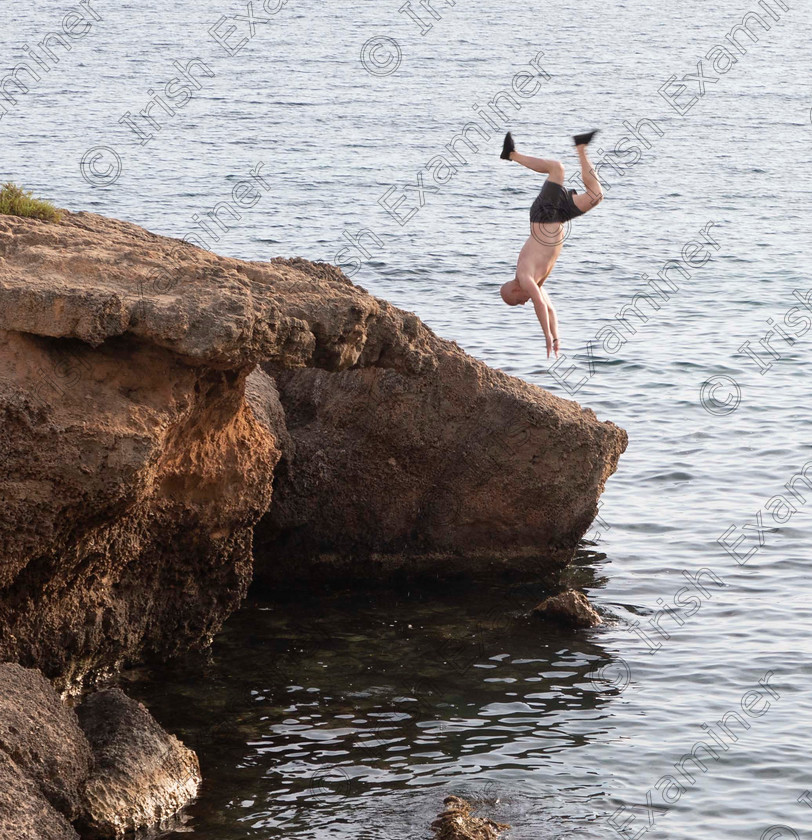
(353, 714)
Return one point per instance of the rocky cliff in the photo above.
(161, 405)
(140, 451)
(133, 470)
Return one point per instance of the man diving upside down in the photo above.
(553, 207)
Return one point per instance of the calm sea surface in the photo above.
(352, 716)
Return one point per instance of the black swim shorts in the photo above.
(554, 204)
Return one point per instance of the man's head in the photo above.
(513, 294)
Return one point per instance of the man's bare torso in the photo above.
(540, 252)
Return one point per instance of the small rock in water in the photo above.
(457, 823)
(143, 776)
(570, 608)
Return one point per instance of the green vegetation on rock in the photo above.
(15, 201)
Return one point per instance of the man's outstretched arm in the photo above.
(529, 287)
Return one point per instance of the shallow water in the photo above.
(353, 715)
(335, 138)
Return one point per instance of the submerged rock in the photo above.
(570, 608)
(457, 823)
(142, 776)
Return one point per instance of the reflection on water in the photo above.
(353, 715)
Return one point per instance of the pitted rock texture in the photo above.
(458, 469)
(142, 776)
(42, 736)
(44, 759)
(570, 608)
(25, 814)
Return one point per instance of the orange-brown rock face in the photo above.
(129, 500)
(132, 469)
(139, 442)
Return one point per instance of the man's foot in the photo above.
(584, 139)
(508, 147)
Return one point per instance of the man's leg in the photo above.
(553, 168)
(594, 192)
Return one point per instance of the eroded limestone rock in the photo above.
(25, 814)
(457, 823)
(133, 469)
(570, 608)
(44, 759)
(110, 770)
(142, 776)
(41, 736)
(455, 469)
